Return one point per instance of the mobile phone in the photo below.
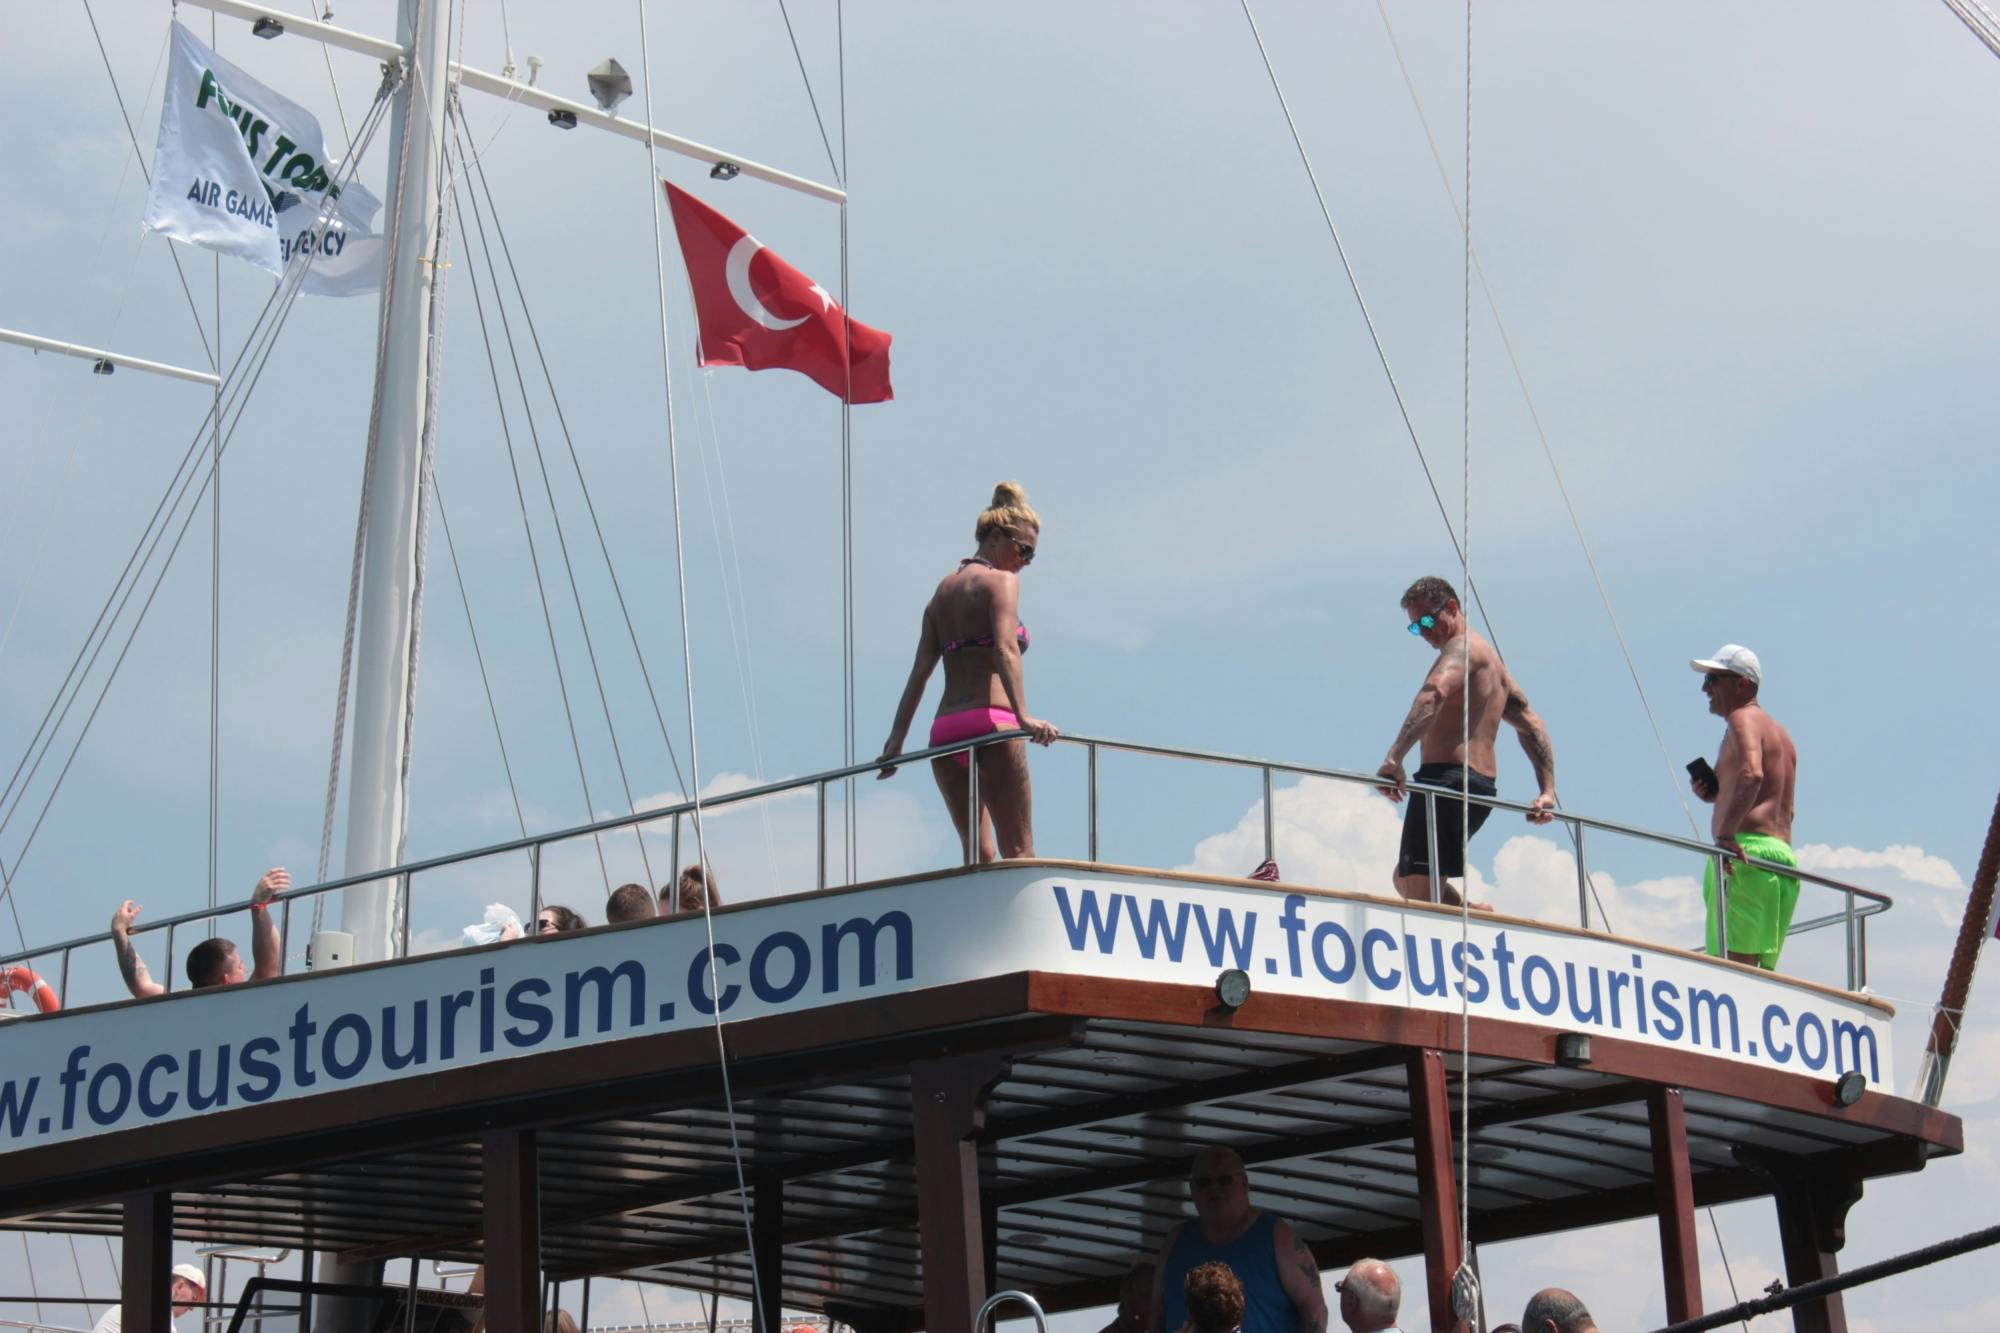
(1699, 770)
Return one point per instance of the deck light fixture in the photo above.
(1232, 988)
(562, 119)
(1573, 1049)
(102, 366)
(1847, 1089)
(724, 171)
(267, 28)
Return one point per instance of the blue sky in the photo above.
(1743, 255)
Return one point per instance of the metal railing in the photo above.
(1859, 903)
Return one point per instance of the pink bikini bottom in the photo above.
(970, 722)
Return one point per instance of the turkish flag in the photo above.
(758, 312)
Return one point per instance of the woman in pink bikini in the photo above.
(973, 625)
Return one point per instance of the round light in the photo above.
(1232, 987)
(1847, 1089)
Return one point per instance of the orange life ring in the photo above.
(25, 981)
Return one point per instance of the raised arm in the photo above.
(1298, 1274)
(1741, 777)
(266, 950)
(1007, 656)
(928, 652)
(1446, 674)
(130, 965)
(1535, 742)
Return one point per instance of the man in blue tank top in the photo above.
(1281, 1289)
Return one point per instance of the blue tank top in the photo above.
(1252, 1256)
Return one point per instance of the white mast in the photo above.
(377, 799)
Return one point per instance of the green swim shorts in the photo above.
(1760, 901)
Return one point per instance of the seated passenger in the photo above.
(972, 624)
(555, 920)
(629, 902)
(212, 962)
(1135, 1302)
(694, 890)
(1214, 1299)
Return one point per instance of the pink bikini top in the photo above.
(985, 640)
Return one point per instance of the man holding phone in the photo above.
(1752, 787)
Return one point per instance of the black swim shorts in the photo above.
(1415, 857)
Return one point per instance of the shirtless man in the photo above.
(1754, 792)
(212, 962)
(1437, 719)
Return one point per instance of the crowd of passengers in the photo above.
(216, 962)
(972, 627)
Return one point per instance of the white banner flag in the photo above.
(244, 172)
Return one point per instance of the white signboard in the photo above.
(96, 1071)
(244, 172)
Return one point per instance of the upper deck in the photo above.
(1031, 1049)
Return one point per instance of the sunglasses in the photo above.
(543, 926)
(1422, 623)
(1716, 678)
(1212, 1182)
(1025, 550)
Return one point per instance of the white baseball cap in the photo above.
(192, 1274)
(1732, 657)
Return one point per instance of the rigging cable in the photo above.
(451, 550)
(1980, 20)
(653, 191)
(463, 139)
(527, 528)
(805, 78)
(215, 582)
(212, 354)
(847, 475)
(1458, 1287)
(1541, 434)
(479, 177)
(256, 350)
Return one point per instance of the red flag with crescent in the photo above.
(758, 312)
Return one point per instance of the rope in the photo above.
(576, 463)
(534, 557)
(806, 79)
(1465, 720)
(1541, 434)
(653, 192)
(451, 550)
(215, 587)
(256, 350)
(214, 354)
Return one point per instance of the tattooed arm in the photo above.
(137, 979)
(1535, 742)
(1298, 1273)
(1447, 677)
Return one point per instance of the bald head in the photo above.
(1371, 1295)
(1553, 1310)
(1220, 1189)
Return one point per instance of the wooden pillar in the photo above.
(1673, 1198)
(1812, 1228)
(948, 1106)
(513, 1217)
(144, 1301)
(767, 1251)
(1437, 1189)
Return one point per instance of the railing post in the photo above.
(819, 817)
(1582, 878)
(170, 958)
(1851, 971)
(535, 885)
(675, 848)
(62, 986)
(284, 932)
(403, 946)
(1431, 834)
(1861, 953)
(1721, 906)
(1090, 798)
(972, 803)
(1270, 820)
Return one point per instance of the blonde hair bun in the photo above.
(1010, 511)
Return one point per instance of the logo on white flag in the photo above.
(245, 172)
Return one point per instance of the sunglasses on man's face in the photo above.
(1212, 1182)
(1422, 623)
(1713, 678)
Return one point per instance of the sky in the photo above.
(1742, 256)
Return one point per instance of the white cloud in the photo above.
(1910, 863)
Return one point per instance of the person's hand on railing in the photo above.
(1392, 769)
(890, 749)
(1040, 732)
(1542, 809)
